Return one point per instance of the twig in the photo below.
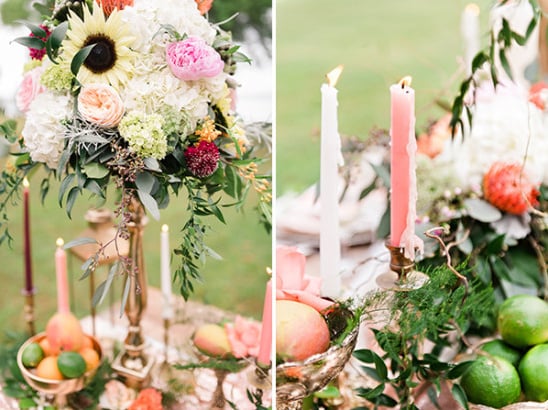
(542, 264)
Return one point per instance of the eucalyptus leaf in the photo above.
(35, 29)
(152, 164)
(95, 170)
(149, 203)
(125, 295)
(79, 242)
(460, 396)
(482, 210)
(30, 42)
(79, 59)
(98, 294)
(459, 369)
(145, 182)
(67, 181)
(71, 199)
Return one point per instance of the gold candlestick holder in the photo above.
(28, 310)
(132, 364)
(401, 274)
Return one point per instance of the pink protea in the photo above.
(202, 160)
(509, 189)
(38, 54)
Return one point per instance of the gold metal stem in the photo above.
(29, 311)
(401, 274)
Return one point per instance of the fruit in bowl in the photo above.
(301, 331)
(63, 372)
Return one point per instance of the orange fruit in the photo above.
(46, 347)
(48, 369)
(87, 342)
(91, 357)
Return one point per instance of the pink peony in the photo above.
(29, 89)
(192, 59)
(202, 160)
(244, 337)
(100, 104)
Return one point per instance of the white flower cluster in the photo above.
(44, 132)
(506, 127)
(153, 84)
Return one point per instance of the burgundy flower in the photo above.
(202, 159)
(35, 53)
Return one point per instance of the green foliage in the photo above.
(431, 313)
(499, 46)
(249, 14)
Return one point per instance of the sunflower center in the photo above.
(103, 56)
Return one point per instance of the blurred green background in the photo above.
(378, 43)
(237, 283)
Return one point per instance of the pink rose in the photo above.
(244, 337)
(192, 59)
(293, 284)
(29, 89)
(100, 104)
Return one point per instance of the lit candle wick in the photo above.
(60, 242)
(406, 81)
(333, 75)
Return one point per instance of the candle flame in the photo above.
(333, 75)
(473, 8)
(165, 228)
(26, 182)
(269, 271)
(60, 242)
(406, 81)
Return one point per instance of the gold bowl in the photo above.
(56, 387)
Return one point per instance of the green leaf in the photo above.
(483, 270)
(27, 403)
(95, 170)
(505, 64)
(364, 355)
(79, 59)
(145, 182)
(383, 173)
(495, 246)
(30, 42)
(42, 9)
(367, 190)
(71, 199)
(149, 203)
(88, 266)
(460, 396)
(500, 268)
(370, 393)
(108, 282)
(55, 39)
(79, 242)
(34, 29)
(99, 293)
(482, 210)
(459, 369)
(381, 368)
(125, 295)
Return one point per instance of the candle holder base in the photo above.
(134, 371)
(401, 274)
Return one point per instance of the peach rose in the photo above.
(244, 337)
(100, 104)
(29, 89)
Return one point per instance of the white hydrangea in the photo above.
(44, 133)
(506, 127)
(153, 84)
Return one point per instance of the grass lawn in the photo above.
(237, 283)
(378, 43)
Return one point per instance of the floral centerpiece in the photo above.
(490, 187)
(135, 94)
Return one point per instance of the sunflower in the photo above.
(110, 61)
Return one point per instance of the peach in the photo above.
(212, 340)
(64, 333)
(300, 331)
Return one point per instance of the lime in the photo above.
(533, 370)
(491, 381)
(523, 321)
(71, 364)
(32, 355)
(500, 349)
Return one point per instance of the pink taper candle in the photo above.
(29, 289)
(265, 347)
(61, 273)
(402, 132)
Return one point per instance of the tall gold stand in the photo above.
(132, 364)
(401, 274)
(29, 310)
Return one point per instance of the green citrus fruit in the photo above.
(32, 355)
(71, 364)
(500, 349)
(491, 381)
(523, 321)
(533, 370)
